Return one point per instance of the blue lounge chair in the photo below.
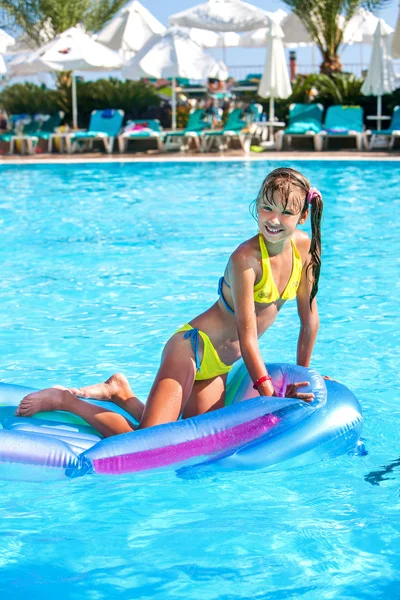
(233, 129)
(305, 120)
(197, 123)
(45, 130)
(21, 125)
(391, 134)
(141, 129)
(342, 122)
(104, 125)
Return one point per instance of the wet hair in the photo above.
(284, 181)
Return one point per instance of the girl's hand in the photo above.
(291, 391)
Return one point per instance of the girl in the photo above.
(279, 263)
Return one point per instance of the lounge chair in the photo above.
(341, 121)
(197, 123)
(142, 129)
(21, 125)
(233, 129)
(104, 125)
(391, 134)
(45, 130)
(305, 121)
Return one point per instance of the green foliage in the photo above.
(41, 20)
(302, 88)
(29, 98)
(135, 98)
(321, 19)
(339, 88)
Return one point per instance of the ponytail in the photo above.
(314, 198)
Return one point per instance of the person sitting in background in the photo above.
(3, 120)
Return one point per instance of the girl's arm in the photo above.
(243, 277)
(309, 319)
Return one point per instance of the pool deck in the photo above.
(231, 155)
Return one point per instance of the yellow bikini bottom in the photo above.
(211, 365)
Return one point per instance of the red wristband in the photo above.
(262, 379)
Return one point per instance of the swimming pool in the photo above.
(100, 263)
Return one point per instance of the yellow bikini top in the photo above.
(266, 290)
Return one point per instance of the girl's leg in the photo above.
(105, 421)
(206, 396)
(173, 384)
(115, 389)
(167, 399)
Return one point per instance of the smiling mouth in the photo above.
(273, 230)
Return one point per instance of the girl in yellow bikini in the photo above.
(280, 263)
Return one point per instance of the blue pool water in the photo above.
(100, 264)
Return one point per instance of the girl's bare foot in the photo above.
(44, 401)
(115, 389)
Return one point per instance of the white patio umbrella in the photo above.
(73, 50)
(3, 67)
(172, 54)
(6, 40)
(380, 78)
(130, 29)
(212, 39)
(396, 39)
(293, 29)
(361, 28)
(275, 81)
(222, 16)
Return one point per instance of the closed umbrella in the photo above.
(380, 78)
(170, 55)
(396, 39)
(72, 50)
(275, 81)
(130, 29)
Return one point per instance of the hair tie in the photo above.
(311, 194)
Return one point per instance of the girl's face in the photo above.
(278, 217)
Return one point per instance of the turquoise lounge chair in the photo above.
(197, 123)
(342, 121)
(305, 120)
(104, 125)
(391, 134)
(45, 130)
(233, 128)
(141, 129)
(21, 125)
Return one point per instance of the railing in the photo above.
(241, 72)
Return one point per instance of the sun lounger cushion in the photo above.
(302, 127)
(344, 120)
(304, 118)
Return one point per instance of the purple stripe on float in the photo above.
(177, 453)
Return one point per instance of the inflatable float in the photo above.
(251, 432)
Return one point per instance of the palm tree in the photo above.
(42, 20)
(325, 21)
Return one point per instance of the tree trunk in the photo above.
(331, 64)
